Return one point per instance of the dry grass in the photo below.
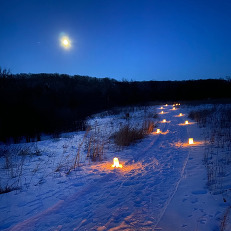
(92, 145)
(76, 161)
(95, 147)
(217, 155)
(148, 126)
(225, 219)
(12, 168)
(217, 136)
(128, 135)
(7, 189)
(202, 116)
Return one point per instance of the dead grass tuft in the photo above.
(7, 189)
(225, 219)
(128, 135)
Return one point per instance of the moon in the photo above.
(65, 42)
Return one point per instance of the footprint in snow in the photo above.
(197, 192)
(203, 220)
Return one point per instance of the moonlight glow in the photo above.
(65, 42)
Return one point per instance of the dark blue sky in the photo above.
(131, 39)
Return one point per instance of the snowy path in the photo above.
(136, 197)
(193, 207)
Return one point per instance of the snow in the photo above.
(162, 185)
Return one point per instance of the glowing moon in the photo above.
(65, 42)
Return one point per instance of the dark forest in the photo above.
(33, 104)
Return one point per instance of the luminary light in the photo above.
(161, 108)
(186, 122)
(173, 108)
(173, 105)
(164, 120)
(158, 130)
(166, 105)
(162, 112)
(180, 114)
(116, 163)
(190, 141)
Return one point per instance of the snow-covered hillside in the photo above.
(162, 185)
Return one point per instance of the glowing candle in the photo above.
(116, 163)
(174, 108)
(180, 114)
(173, 105)
(166, 105)
(164, 120)
(158, 130)
(161, 108)
(190, 141)
(186, 122)
(162, 112)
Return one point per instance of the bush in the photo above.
(148, 126)
(127, 135)
(201, 116)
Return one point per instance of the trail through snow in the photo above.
(146, 194)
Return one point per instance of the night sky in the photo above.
(121, 39)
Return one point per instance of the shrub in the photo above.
(201, 116)
(95, 148)
(148, 126)
(127, 135)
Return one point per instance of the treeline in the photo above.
(32, 104)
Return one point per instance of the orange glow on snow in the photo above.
(180, 115)
(116, 163)
(162, 112)
(187, 144)
(164, 133)
(158, 131)
(187, 123)
(165, 121)
(133, 168)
